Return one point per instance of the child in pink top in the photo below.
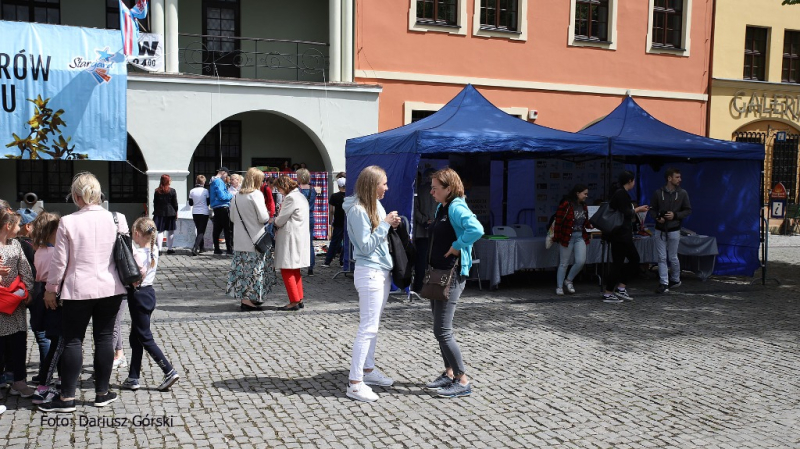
(44, 239)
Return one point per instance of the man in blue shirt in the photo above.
(220, 203)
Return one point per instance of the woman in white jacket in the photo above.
(252, 274)
(292, 240)
(367, 227)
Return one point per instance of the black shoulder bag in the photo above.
(264, 243)
(436, 284)
(127, 268)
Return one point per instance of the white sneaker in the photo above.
(376, 377)
(361, 392)
(2, 409)
(570, 288)
(121, 362)
(560, 291)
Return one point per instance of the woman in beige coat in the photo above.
(292, 240)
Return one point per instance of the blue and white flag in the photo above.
(139, 11)
(129, 28)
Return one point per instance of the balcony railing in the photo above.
(253, 58)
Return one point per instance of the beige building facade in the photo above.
(755, 85)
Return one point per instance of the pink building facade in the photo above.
(563, 63)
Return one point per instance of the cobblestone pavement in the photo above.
(713, 364)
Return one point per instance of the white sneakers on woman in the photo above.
(567, 286)
(377, 378)
(361, 392)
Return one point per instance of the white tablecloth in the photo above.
(503, 257)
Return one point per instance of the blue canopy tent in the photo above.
(469, 124)
(723, 179)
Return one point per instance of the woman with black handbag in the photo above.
(252, 273)
(621, 239)
(455, 230)
(84, 272)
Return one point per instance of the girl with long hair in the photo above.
(44, 238)
(571, 223)
(367, 227)
(13, 326)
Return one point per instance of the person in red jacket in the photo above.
(572, 221)
(266, 190)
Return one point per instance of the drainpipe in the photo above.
(711, 65)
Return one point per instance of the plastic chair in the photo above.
(523, 230)
(507, 231)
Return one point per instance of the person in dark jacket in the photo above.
(621, 240)
(669, 206)
(424, 213)
(571, 222)
(165, 213)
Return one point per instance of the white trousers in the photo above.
(373, 287)
(667, 250)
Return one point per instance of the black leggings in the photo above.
(621, 249)
(15, 347)
(200, 223)
(76, 316)
(222, 223)
(141, 304)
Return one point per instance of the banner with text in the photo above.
(150, 56)
(63, 92)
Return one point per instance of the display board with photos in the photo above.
(554, 178)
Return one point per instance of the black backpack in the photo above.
(404, 255)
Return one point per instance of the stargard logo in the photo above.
(99, 67)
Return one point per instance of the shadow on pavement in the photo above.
(330, 384)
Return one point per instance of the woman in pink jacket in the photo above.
(82, 270)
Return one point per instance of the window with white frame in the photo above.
(445, 16)
(669, 27)
(593, 23)
(501, 18)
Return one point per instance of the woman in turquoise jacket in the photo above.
(455, 229)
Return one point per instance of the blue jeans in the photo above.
(44, 345)
(667, 249)
(576, 246)
(335, 245)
